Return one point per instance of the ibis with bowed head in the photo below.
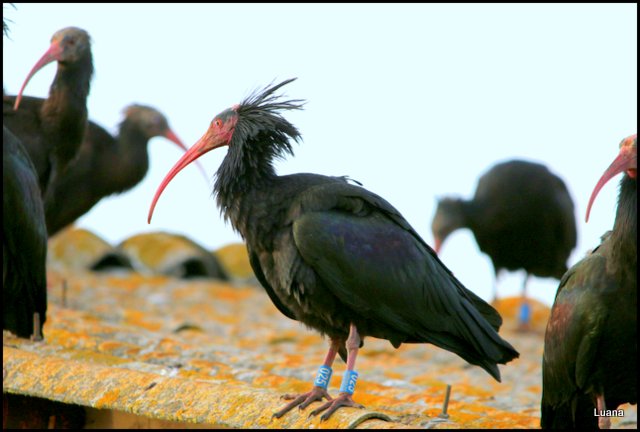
(522, 216)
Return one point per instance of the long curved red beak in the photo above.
(627, 160)
(52, 54)
(208, 142)
(171, 136)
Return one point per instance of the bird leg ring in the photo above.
(348, 380)
(319, 390)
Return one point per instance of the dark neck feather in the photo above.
(64, 112)
(130, 158)
(625, 226)
(246, 167)
(467, 211)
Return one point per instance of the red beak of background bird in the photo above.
(53, 54)
(627, 160)
(218, 135)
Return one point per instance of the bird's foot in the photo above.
(344, 400)
(304, 400)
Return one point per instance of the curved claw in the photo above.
(304, 400)
(344, 400)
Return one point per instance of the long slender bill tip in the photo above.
(163, 185)
(192, 154)
(51, 55)
(625, 161)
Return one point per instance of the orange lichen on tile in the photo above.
(427, 379)
(208, 352)
(108, 346)
(108, 398)
(270, 381)
(140, 319)
(133, 281)
(68, 339)
(233, 294)
(394, 375)
(535, 389)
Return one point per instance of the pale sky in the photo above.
(415, 101)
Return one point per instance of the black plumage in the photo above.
(52, 129)
(333, 255)
(24, 241)
(105, 165)
(521, 216)
(591, 347)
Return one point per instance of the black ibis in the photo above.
(24, 242)
(522, 217)
(334, 256)
(106, 165)
(590, 361)
(52, 129)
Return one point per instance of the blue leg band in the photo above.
(349, 382)
(323, 377)
(525, 313)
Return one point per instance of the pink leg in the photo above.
(603, 422)
(344, 399)
(317, 393)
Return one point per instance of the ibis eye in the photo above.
(218, 123)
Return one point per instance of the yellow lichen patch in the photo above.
(427, 379)
(108, 398)
(105, 359)
(235, 260)
(207, 365)
(133, 281)
(161, 252)
(289, 336)
(226, 318)
(68, 339)
(292, 360)
(392, 374)
(109, 346)
(232, 294)
(270, 380)
(76, 248)
(140, 319)
(535, 389)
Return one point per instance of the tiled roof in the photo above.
(203, 351)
